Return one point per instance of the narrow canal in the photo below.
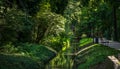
(61, 61)
(64, 59)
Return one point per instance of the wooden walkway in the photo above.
(110, 43)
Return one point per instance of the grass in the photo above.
(94, 54)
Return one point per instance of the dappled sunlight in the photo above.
(66, 45)
(58, 34)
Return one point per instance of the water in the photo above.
(61, 61)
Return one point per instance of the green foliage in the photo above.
(25, 55)
(56, 42)
(48, 23)
(95, 54)
(85, 41)
(18, 62)
(28, 6)
(93, 22)
(84, 2)
(53, 22)
(39, 52)
(62, 61)
(72, 14)
(18, 25)
(53, 42)
(8, 48)
(58, 6)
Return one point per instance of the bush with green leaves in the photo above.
(53, 42)
(18, 62)
(8, 48)
(48, 23)
(18, 25)
(94, 55)
(39, 52)
(25, 55)
(57, 42)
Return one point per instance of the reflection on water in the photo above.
(61, 61)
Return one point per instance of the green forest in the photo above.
(59, 34)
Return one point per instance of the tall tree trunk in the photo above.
(115, 37)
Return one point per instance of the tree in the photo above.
(29, 6)
(48, 23)
(58, 6)
(17, 25)
(114, 5)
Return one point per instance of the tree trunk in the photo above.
(115, 37)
